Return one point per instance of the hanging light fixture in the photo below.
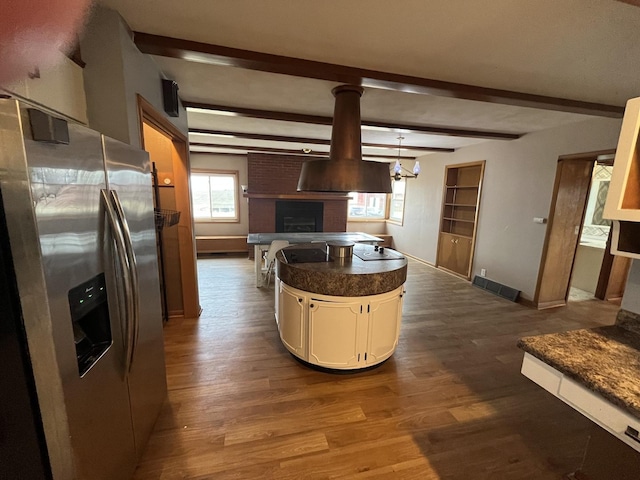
(345, 171)
(397, 168)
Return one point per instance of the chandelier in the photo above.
(398, 168)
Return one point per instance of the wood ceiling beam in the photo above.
(313, 141)
(287, 151)
(265, 62)
(320, 120)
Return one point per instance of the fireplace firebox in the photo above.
(293, 217)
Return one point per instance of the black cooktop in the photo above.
(305, 255)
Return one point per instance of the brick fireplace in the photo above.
(274, 178)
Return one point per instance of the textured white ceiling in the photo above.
(585, 50)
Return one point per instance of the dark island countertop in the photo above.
(354, 278)
(605, 360)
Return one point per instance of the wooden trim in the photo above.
(552, 304)
(285, 151)
(218, 154)
(590, 156)
(147, 112)
(313, 141)
(265, 62)
(417, 259)
(301, 196)
(319, 120)
(221, 244)
(186, 243)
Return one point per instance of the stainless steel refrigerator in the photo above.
(80, 225)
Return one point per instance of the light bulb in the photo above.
(416, 168)
(397, 168)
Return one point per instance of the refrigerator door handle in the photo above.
(120, 249)
(133, 273)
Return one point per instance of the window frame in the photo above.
(396, 221)
(383, 218)
(236, 194)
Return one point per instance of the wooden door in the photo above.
(613, 274)
(463, 256)
(446, 251)
(571, 190)
(454, 253)
(335, 333)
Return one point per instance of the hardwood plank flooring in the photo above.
(450, 404)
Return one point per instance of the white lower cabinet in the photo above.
(291, 320)
(339, 332)
(592, 405)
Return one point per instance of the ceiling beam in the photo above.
(320, 120)
(287, 151)
(265, 62)
(312, 141)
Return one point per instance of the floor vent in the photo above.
(496, 288)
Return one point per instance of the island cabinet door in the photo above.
(291, 320)
(385, 315)
(337, 333)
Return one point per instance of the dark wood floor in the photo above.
(450, 404)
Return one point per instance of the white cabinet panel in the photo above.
(292, 321)
(384, 327)
(334, 333)
(590, 404)
(541, 373)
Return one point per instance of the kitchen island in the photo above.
(261, 242)
(339, 313)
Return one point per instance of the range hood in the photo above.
(345, 171)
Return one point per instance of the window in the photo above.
(215, 196)
(396, 204)
(367, 206)
(595, 230)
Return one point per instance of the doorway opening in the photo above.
(576, 262)
(168, 151)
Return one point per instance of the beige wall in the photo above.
(115, 73)
(586, 268)
(224, 162)
(518, 185)
(631, 299)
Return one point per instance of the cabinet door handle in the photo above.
(311, 305)
(300, 300)
(452, 240)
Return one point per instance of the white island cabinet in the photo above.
(341, 333)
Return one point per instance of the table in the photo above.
(261, 242)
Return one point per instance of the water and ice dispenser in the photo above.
(91, 324)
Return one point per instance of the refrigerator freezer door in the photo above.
(128, 173)
(65, 187)
(22, 444)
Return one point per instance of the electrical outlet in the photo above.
(483, 272)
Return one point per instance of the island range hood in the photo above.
(345, 171)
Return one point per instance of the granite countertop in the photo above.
(605, 360)
(354, 278)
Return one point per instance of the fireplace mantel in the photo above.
(294, 196)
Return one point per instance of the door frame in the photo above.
(147, 113)
(600, 156)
